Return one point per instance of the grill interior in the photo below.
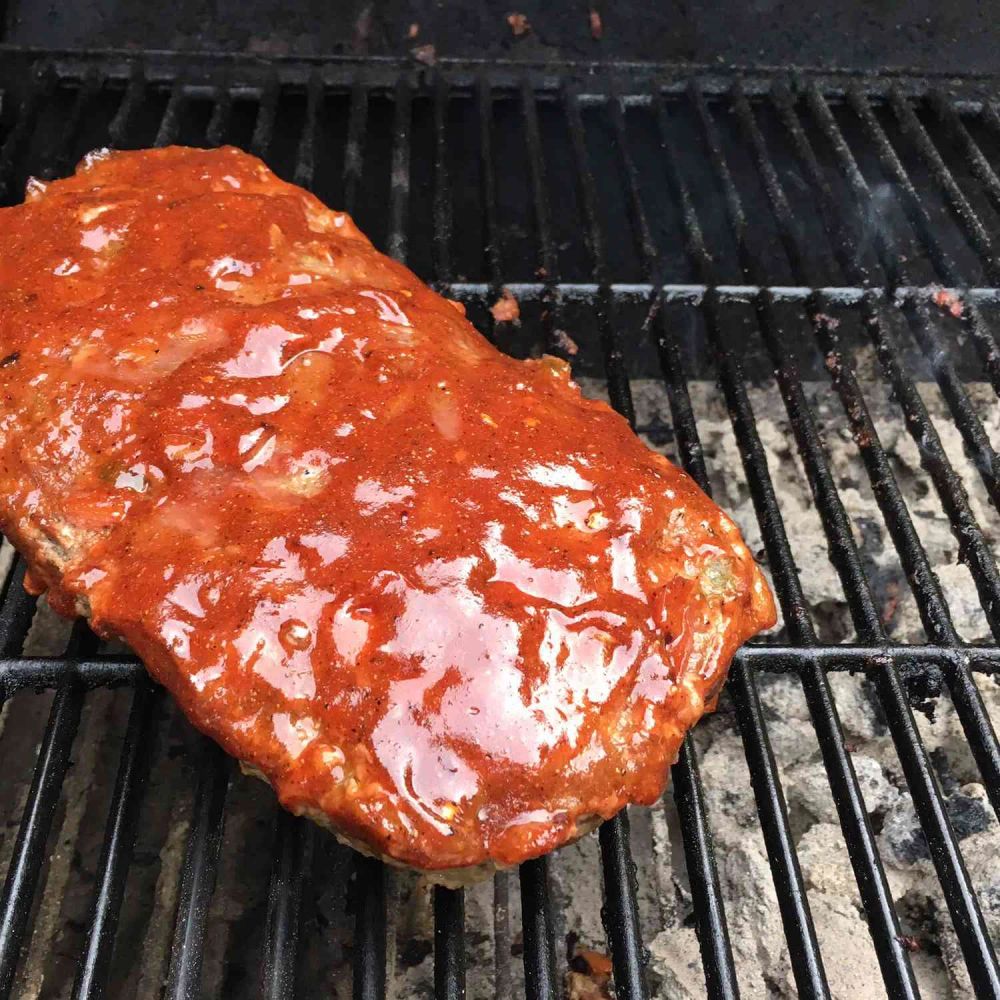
(821, 248)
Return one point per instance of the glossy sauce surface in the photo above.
(439, 599)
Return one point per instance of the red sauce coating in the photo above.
(439, 599)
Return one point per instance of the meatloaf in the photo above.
(444, 604)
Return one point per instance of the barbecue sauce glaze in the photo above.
(441, 601)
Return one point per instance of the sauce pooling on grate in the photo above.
(440, 600)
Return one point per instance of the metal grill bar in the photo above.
(974, 552)
(442, 199)
(170, 123)
(399, 191)
(706, 894)
(26, 862)
(305, 154)
(267, 109)
(807, 962)
(48, 672)
(912, 203)
(118, 128)
(926, 795)
(449, 944)
(978, 164)
(116, 854)
(619, 390)
(42, 84)
(990, 113)
(539, 943)
(218, 124)
(292, 856)
(971, 427)
(58, 160)
(621, 910)
(770, 802)
(875, 893)
(959, 893)
(201, 860)
(369, 930)
(491, 235)
(977, 442)
(502, 978)
(551, 320)
(692, 293)
(17, 608)
(354, 154)
(491, 240)
(949, 487)
(548, 260)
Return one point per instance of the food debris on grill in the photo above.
(443, 603)
(506, 308)
(589, 976)
(426, 54)
(565, 342)
(518, 24)
(947, 300)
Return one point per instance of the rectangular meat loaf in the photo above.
(440, 601)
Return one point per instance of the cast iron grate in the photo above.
(660, 215)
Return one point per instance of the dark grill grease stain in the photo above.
(967, 815)
(415, 951)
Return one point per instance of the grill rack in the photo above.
(883, 284)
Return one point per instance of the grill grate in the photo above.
(788, 207)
